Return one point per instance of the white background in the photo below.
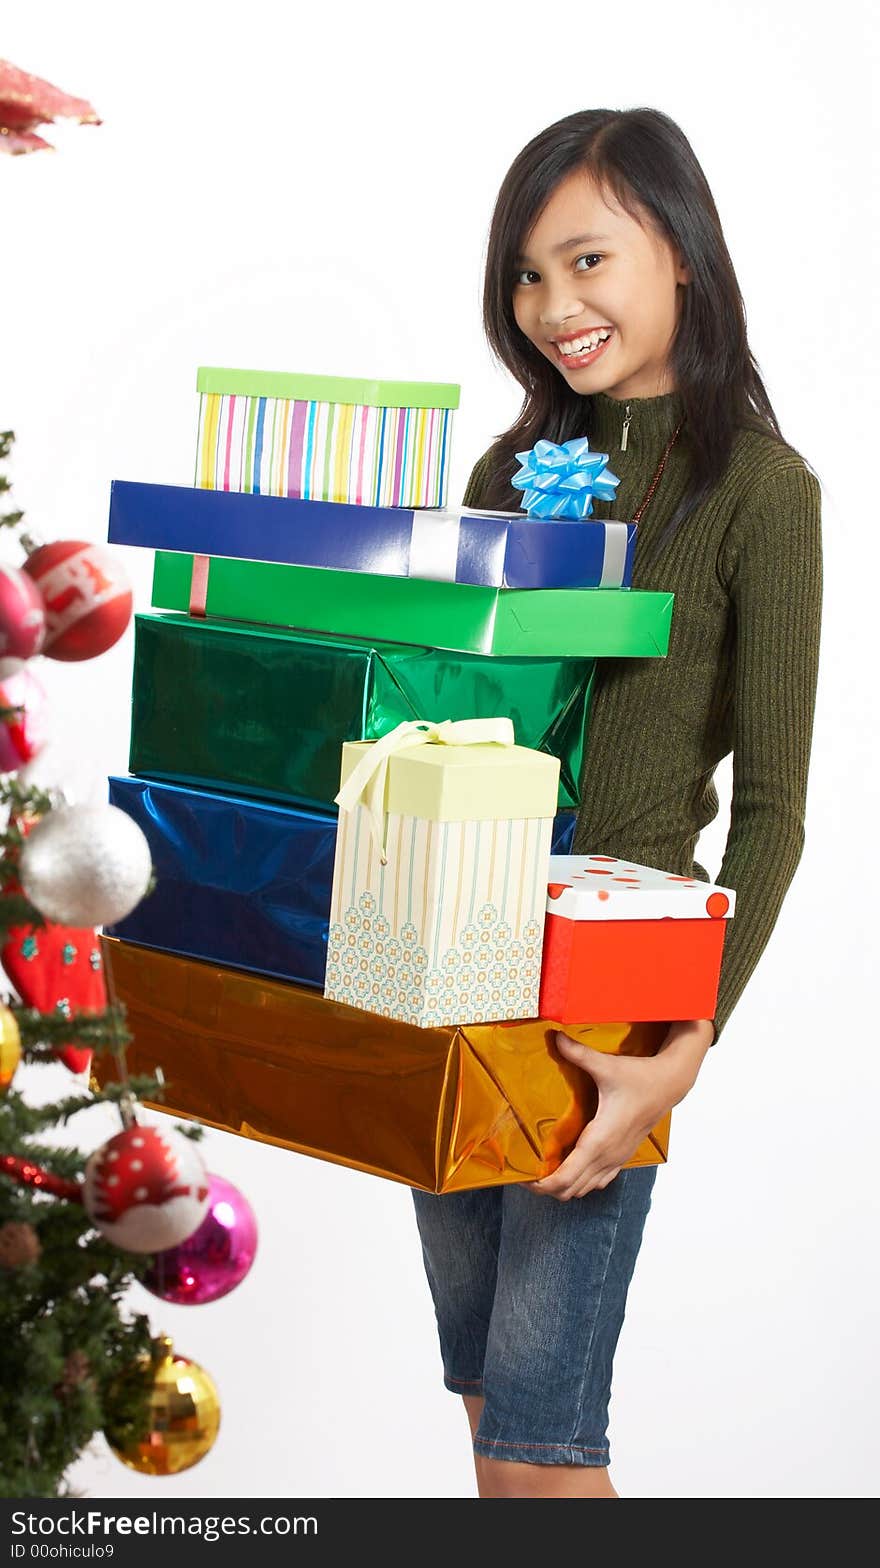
(300, 190)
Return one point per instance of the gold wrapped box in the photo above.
(443, 1109)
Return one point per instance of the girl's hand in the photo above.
(634, 1092)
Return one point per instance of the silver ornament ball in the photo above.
(85, 865)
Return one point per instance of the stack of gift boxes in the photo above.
(358, 725)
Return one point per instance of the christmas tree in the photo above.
(71, 1364)
(77, 1232)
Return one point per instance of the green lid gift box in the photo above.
(440, 874)
(589, 623)
(324, 438)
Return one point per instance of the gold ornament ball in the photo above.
(184, 1418)
(10, 1047)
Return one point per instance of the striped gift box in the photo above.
(448, 928)
(324, 438)
(451, 932)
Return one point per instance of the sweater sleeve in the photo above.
(770, 561)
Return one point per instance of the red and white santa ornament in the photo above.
(147, 1189)
(87, 597)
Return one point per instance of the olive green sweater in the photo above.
(740, 674)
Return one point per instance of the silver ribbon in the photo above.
(433, 551)
(614, 559)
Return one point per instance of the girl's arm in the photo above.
(634, 1093)
(770, 561)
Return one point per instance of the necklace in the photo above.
(637, 516)
(658, 472)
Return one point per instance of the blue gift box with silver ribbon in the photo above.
(486, 549)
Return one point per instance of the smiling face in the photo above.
(588, 266)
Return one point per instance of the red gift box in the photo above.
(628, 941)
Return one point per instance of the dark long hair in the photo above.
(642, 156)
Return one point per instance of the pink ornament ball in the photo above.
(215, 1258)
(22, 735)
(147, 1189)
(22, 616)
(87, 597)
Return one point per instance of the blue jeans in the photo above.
(529, 1294)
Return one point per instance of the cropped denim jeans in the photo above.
(529, 1294)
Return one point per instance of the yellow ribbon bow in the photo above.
(366, 783)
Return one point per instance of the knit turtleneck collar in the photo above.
(651, 422)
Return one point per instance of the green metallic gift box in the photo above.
(266, 711)
(539, 622)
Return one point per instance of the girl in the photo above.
(611, 298)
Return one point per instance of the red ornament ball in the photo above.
(87, 597)
(147, 1189)
(22, 616)
(22, 735)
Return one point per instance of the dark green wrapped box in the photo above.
(265, 711)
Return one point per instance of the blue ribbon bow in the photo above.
(560, 481)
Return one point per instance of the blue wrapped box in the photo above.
(243, 883)
(239, 882)
(486, 549)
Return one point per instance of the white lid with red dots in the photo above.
(600, 887)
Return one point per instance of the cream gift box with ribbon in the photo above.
(440, 875)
